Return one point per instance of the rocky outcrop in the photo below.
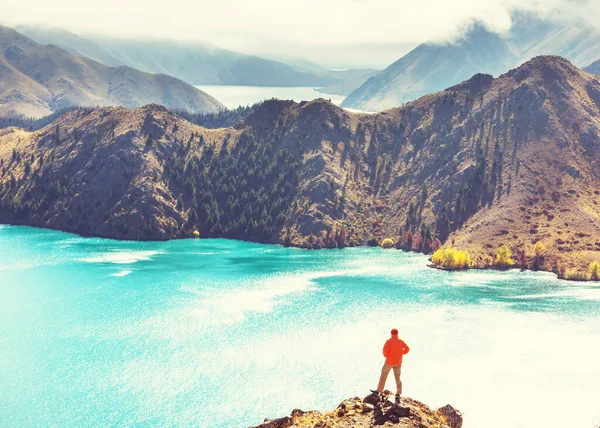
(371, 411)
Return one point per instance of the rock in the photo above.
(297, 412)
(387, 403)
(367, 408)
(453, 416)
(356, 412)
(285, 422)
(371, 399)
(398, 411)
(378, 413)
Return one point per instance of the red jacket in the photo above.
(393, 350)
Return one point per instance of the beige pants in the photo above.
(385, 370)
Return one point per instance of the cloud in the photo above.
(284, 25)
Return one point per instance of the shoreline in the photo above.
(434, 266)
(429, 264)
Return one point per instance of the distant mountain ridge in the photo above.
(194, 62)
(36, 80)
(509, 161)
(431, 67)
(593, 68)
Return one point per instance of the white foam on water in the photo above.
(121, 273)
(122, 257)
(216, 307)
(585, 292)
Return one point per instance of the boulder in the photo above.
(398, 411)
(367, 408)
(285, 422)
(297, 412)
(371, 399)
(453, 416)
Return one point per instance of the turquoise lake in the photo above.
(220, 333)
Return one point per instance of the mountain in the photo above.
(346, 80)
(36, 80)
(194, 62)
(431, 67)
(371, 412)
(70, 42)
(532, 37)
(296, 62)
(593, 68)
(510, 161)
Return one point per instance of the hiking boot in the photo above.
(397, 400)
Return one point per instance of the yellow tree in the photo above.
(595, 271)
(387, 243)
(504, 257)
(451, 258)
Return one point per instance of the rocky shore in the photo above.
(373, 410)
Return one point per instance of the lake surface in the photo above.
(234, 96)
(219, 333)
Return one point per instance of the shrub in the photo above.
(504, 257)
(577, 276)
(523, 260)
(372, 241)
(387, 243)
(451, 258)
(595, 271)
(539, 248)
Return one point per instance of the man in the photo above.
(393, 350)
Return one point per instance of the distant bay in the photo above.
(234, 96)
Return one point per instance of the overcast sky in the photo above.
(381, 29)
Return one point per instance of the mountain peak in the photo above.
(548, 61)
(548, 68)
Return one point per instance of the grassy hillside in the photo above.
(36, 80)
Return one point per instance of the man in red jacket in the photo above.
(393, 350)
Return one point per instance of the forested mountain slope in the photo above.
(512, 160)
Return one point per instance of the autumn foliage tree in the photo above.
(387, 243)
(504, 257)
(451, 258)
(538, 249)
(595, 271)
